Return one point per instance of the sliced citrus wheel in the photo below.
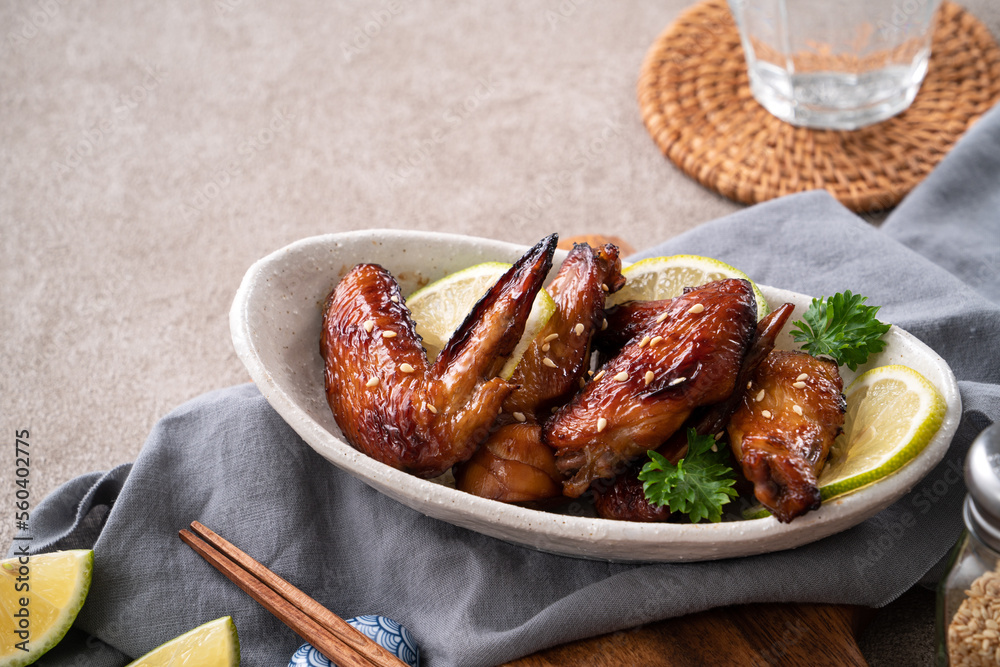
(39, 599)
(440, 308)
(213, 644)
(666, 277)
(892, 413)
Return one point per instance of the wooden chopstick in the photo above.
(328, 643)
(330, 634)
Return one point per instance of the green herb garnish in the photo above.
(699, 485)
(841, 327)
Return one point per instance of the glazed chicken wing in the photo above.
(623, 498)
(712, 420)
(387, 400)
(551, 368)
(512, 466)
(790, 414)
(689, 357)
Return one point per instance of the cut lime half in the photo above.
(666, 277)
(213, 644)
(40, 597)
(892, 413)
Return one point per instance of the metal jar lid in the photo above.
(982, 478)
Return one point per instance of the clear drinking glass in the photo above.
(837, 64)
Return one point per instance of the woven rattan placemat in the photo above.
(696, 103)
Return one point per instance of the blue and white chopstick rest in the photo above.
(386, 632)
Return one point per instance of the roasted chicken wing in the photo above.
(554, 363)
(389, 403)
(712, 419)
(623, 498)
(791, 412)
(689, 357)
(512, 466)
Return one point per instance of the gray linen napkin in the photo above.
(228, 460)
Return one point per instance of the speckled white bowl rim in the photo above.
(275, 322)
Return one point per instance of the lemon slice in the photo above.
(214, 644)
(892, 413)
(39, 601)
(441, 307)
(666, 277)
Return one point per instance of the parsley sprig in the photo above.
(841, 327)
(699, 485)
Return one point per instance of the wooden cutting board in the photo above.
(756, 635)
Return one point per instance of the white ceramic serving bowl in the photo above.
(276, 320)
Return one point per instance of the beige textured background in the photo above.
(151, 151)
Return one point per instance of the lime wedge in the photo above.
(757, 511)
(666, 277)
(892, 413)
(214, 644)
(40, 599)
(440, 308)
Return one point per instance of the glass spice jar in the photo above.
(968, 621)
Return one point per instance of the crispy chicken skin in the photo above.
(790, 414)
(550, 370)
(623, 498)
(688, 359)
(389, 403)
(512, 466)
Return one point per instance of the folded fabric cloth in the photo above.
(228, 460)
